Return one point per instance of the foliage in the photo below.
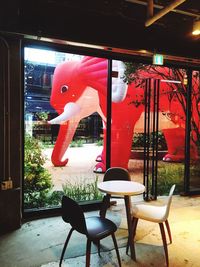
(37, 180)
(42, 115)
(169, 174)
(99, 142)
(130, 69)
(138, 141)
(77, 143)
(47, 144)
(195, 169)
(38, 183)
(195, 173)
(177, 92)
(162, 145)
(44, 200)
(83, 190)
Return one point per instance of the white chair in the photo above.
(157, 214)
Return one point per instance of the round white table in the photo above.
(124, 189)
(121, 188)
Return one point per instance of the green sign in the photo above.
(158, 59)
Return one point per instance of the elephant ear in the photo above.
(95, 75)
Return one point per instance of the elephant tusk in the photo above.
(70, 110)
(119, 87)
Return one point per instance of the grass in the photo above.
(82, 190)
(169, 174)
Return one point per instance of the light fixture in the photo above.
(196, 27)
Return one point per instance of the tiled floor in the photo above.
(39, 243)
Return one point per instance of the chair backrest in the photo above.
(169, 200)
(72, 213)
(116, 173)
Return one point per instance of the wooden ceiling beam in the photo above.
(152, 18)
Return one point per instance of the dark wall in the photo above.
(10, 125)
(109, 23)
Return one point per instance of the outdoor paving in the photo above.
(81, 164)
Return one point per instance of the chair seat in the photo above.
(149, 213)
(99, 227)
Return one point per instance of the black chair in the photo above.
(94, 228)
(112, 174)
(116, 173)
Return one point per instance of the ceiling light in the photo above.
(196, 27)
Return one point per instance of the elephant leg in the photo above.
(123, 122)
(175, 139)
(99, 158)
(100, 167)
(121, 147)
(121, 141)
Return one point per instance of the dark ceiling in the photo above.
(111, 23)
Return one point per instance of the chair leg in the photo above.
(105, 205)
(97, 243)
(134, 226)
(65, 246)
(168, 230)
(88, 248)
(162, 230)
(98, 246)
(116, 248)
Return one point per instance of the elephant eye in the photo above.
(64, 88)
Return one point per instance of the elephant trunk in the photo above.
(65, 136)
(59, 149)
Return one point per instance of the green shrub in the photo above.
(77, 143)
(99, 142)
(138, 141)
(37, 180)
(42, 115)
(54, 198)
(72, 144)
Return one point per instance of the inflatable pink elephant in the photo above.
(80, 88)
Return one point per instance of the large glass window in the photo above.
(64, 114)
(127, 138)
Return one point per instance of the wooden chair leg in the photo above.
(65, 246)
(168, 230)
(104, 206)
(98, 245)
(134, 226)
(116, 248)
(88, 248)
(162, 230)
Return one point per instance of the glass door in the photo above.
(156, 98)
(192, 172)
